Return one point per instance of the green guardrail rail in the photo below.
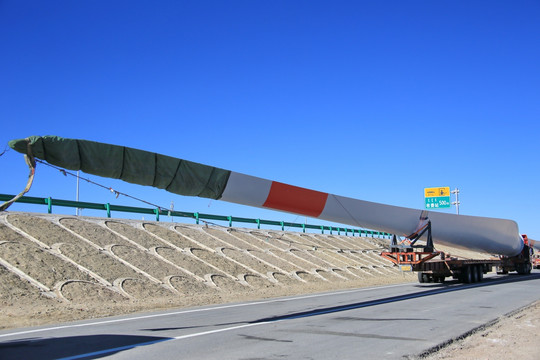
(50, 202)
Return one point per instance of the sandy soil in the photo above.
(57, 268)
(513, 336)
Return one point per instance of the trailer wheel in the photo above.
(474, 273)
(480, 273)
(521, 269)
(424, 278)
(466, 275)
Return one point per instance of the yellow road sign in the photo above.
(437, 191)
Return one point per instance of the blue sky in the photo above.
(373, 100)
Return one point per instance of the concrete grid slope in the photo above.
(55, 263)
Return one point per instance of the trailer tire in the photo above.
(474, 273)
(466, 275)
(522, 269)
(480, 273)
(421, 278)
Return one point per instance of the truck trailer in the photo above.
(436, 266)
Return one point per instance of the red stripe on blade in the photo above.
(295, 199)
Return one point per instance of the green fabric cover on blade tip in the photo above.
(131, 165)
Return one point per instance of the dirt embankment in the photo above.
(55, 268)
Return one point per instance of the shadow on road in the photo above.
(434, 289)
(427, 290)
(73, 347)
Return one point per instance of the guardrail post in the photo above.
(258, 223)
(108, 208)
(303, 228)
(322, 229)
(196, 218)
(230, 220)
(282, 226)
(156, 211)
(49, 205)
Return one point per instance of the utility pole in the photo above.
(456, 191)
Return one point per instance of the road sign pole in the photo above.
(456, 191)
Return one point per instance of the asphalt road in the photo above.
(387, 322)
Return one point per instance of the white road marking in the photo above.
(196, 310)
(291, 317)
(127, 347)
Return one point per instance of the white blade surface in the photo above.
(489, 235)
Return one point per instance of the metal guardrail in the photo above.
(50, 202)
